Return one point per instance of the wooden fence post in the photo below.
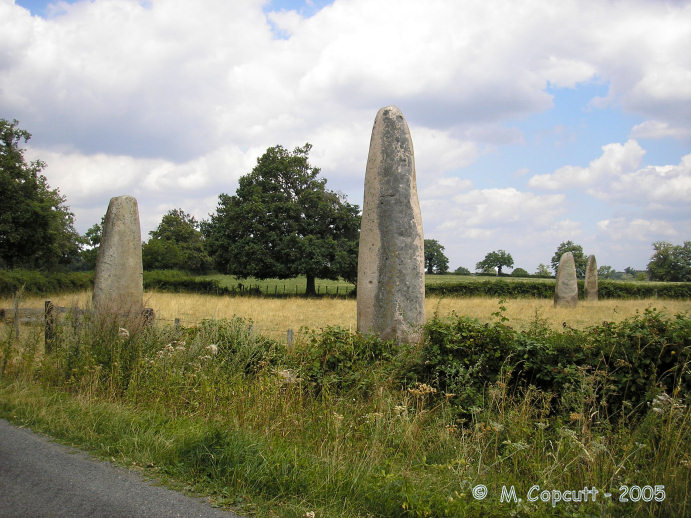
(50, 322)
(289, 337)
(177, 324)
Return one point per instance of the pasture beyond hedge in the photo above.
(42, 283)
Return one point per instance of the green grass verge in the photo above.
(344, 425)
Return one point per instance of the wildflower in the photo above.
(179, 347)
(422, 389)
(308, 514)
(213, 349)
(400, 409)
(575, 416)
(169, 349)
(338, 417)
(123, 332)
(448, 395)
(287, 376)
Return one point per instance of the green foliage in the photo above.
(44, 283)
(180, 282)
(92, 240)
(626, 363)
(606, 272)
(542, 271)
(283, 222)
(545, 289)
(578, 257)
(36, 227)
(336, 360)
(435, 260)
(497, 259)
(462, 270)
(343, 425)
(670, 262)
(520, 272)
(177, 243)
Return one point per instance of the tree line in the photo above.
(281, 222)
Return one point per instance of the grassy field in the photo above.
(273, 317)
(343, 426)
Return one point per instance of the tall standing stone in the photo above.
(391, 274)
(591, 279)
(118, 277)
(566, 289)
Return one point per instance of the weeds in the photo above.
(345, 425)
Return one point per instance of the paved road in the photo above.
(39, 478)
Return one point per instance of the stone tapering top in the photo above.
(118, 277)
(391, 252)
(566, 288)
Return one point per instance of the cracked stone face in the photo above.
(566, 288)
(391, 282)
(118, 278)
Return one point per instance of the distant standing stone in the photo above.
(566, 289)
(118, 277)
(591, 279)
(391, 275)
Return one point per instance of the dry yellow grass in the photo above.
(274, 316)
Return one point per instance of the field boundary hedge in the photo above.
(45, 283)
(545, 289)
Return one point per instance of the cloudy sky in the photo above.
(534, 122)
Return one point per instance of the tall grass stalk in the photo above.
(343, 425)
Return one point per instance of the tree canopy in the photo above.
(435, 260)
(542, 271)
(177, 243)
(670, 262)
(36, 227)
(497, 259)
(283, 222)
(578, 257)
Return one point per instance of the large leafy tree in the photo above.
(670, 262)
(496, 259)
(578, 257)
(435, 260)
(177, 243)
(36, 227)
(283, 222)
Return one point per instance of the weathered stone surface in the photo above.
(566, 289)
(591, 279)
(118, 276)
(391, 276)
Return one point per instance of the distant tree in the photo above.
(177, 243)
(462, 270)
(91, 241)
(497, 259)
(435, 260)
(670, 262)
(606, 272)
(520, 272)
(577, 251)
(542, 271)
(36, 227)
(283, 222)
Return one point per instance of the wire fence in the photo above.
(49, 314)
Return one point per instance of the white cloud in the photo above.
(616, 176)
(622, 229)
(659, 129)
(173, 101)
(616, 159)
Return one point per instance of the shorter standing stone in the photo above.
(118, 278)
(591, 279)
(566, 288)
